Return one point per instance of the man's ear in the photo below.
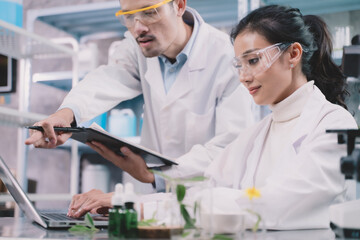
(179, 6)
(295, 51)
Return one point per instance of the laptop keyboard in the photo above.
(60, 217)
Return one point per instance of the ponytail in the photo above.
(327, 75)
(285, 24)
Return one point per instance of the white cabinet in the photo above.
(25, 46)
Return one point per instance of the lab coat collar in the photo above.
(312, 108)
(292, 106)
(197, 57)
(253, 153)
(154, 77)
(195, 62)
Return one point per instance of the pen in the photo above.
(57, 129)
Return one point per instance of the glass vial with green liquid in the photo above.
(130, 214)
(116, 213)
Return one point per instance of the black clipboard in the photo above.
(114, 143)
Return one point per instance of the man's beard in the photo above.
(148, 52)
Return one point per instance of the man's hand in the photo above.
(49, 138)
(131, 163)
(94, 201)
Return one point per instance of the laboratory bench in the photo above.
(22, 228)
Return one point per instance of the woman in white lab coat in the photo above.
(284, 59)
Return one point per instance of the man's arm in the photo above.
(108, 85)
(49, 138)
(233, 114)
(101, 90)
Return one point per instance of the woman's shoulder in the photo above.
(338, 116)
(329, 113)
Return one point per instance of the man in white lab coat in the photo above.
(194, 104)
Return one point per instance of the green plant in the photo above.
(148, 222)
(221, 237)
(180, 195)
(88, 228)
(257, 223)
(254, 193)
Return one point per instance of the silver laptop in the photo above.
(45, 219)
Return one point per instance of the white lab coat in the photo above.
(205, 108)
(305, 181)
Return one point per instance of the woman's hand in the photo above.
(94, 201)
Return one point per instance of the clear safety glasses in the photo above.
(146, 16)
(258, 62)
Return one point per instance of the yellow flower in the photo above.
(252, 193)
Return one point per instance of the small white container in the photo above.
(95, 176)
(122, 123)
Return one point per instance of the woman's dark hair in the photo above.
(281, 24)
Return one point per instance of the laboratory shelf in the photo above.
(94, 19)
(99, 18)
(25, 46)
(19, 43)
(62, 80)
(319, 7)
(14, 118)
(5, 197)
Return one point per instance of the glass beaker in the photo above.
(193, 208)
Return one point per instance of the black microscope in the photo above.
(345, 217)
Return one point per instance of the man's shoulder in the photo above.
(214, 32)
(214, 38)
(206, 28)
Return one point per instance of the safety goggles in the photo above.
(258, 62)
(146, 16)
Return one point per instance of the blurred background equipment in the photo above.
(351, 58)
(95, 176)
(345, 217)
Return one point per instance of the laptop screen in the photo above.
(18, 194)
(24, 203)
